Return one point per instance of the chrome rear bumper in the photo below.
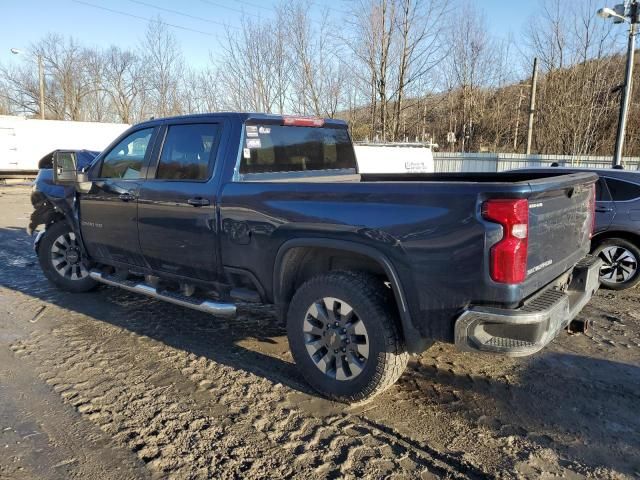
(526, 330)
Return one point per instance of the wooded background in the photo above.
(397, 70)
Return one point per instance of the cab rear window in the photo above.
(279, 148)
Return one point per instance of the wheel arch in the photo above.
(57, 217)
(290, 261)
(600, 237)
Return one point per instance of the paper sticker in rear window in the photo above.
(253, 143)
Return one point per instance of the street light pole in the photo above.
(628, 79)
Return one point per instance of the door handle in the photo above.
(198, 202)
(604, 209)
(126, 197)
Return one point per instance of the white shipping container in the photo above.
(23, 142)
(394, 158)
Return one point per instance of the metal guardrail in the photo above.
(18, 174)
(498, 162)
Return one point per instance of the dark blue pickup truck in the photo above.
(213, 211)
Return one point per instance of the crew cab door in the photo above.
(177, 202)
(109, 212)
(605, 206)
(626, 198)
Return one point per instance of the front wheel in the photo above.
(620, 270)
(344, 336)
(62, 260)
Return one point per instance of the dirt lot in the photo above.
(113, 385)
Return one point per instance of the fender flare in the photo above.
(413, 338)
(36, 242)
(67, 214)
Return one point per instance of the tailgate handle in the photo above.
(198, 202)
(604, 209)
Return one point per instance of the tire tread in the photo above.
(376, 295)
(52, 232)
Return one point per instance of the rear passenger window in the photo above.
(621, 190)
(187, 150)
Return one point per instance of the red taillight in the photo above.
(509, 255)
(303, 121)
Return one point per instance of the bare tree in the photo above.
(467, 69)
(124, 81)
(576, 51)
(254, 69)
(164, 65)
(97, 106)
(419, 25)
(546, 33)
(68, 79)
(318, 74)
(372, 36)
(20, 88)
(396, 69)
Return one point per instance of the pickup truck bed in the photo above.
(278, 214)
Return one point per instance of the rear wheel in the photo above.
(344, 336)
(620, 269)
(62, 260)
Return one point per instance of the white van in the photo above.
(23, 142)
(394, 157)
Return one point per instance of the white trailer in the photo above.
(394, 157)
(25, 141)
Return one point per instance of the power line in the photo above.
(270, 9)
(219, 5)
(255, 5)
(176, 12)
(343, 12)
(120, 12)
(126, 14)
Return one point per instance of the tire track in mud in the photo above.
(189, 416)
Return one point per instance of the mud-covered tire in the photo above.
(627, 249)
(46, 260)
(368, 298)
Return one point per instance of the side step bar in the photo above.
(215, 308)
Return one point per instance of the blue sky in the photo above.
(22, 22)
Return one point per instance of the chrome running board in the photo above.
(207, 306)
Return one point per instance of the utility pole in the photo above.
(628, 79)
(515, 135)
(41, 80)
(532, 103)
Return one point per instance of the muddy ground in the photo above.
(109, 384)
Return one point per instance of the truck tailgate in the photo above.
(560, 223)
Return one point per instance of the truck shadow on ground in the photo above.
(585, 408)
